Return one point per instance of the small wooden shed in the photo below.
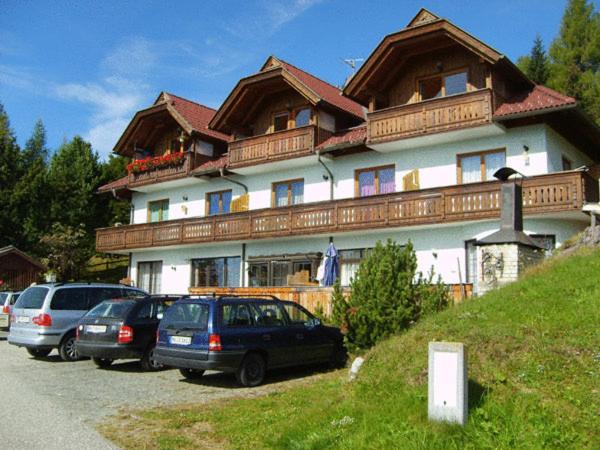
(17, 269)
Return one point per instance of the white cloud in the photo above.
(112, 100)
(271, 16)
(134, 54)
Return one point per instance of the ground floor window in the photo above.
(288, 270)
(349, 262)
(216, 272)
(149, 276)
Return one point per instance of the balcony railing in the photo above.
(564, 191)
(272, 146)
(430, 116)
(157, 175)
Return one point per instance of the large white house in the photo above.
(252, 194)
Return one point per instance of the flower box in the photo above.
(158, 162)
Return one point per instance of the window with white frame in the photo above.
(149, 276)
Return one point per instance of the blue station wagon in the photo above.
(245, 336)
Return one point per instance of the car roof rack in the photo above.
(223, 296)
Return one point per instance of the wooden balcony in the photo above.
(158, 175)
(272, 146)
(564, 191)
(430, 116)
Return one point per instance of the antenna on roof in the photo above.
(351, 62)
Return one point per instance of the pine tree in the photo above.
(10, 173)
(31, 194)
(73, 178)
(387, 295)
(538, 62)
(575, 56)
(115, 210)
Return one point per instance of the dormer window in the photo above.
(280, 121)
(443, 85)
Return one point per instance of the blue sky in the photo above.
(85, 67)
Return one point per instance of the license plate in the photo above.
(95, 328)
(181, 340)
(23, 319)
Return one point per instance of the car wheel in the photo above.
(38, 353)
(103, 363)
(252, 370)
(191, 374)
(339, 356)
(68, 350)
(148, 362)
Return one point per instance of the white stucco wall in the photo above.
(436, 164)
(440, 247)
(557, 147)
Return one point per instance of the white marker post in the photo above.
(448, 388)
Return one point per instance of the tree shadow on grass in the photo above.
(477, 395)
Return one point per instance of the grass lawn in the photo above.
(534, 382)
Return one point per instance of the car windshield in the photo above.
(32, 298)
(114, 309)
(186, 315)
(3, 297)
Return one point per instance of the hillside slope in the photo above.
(534, 370)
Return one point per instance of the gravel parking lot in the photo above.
(50, 404)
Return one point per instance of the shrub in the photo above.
(387, 296)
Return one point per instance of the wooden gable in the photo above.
(422, 17)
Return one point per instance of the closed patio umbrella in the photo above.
(332, 268)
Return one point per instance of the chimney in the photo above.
(511, 207)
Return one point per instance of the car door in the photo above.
(312, 342)
(67, 306)
(144, 324)
(238, 327)
(273, 333)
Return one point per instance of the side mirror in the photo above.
(313, 323)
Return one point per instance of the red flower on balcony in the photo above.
(158, 162)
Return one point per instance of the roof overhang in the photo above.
(249, 91)
(11, 250)
(570, 121)
(153, 117)
(416, 39)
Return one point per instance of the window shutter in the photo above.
(240, 204)
(410, 181)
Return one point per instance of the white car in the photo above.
(7, 300)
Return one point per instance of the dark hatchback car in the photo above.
(244, 336)
(122, 329)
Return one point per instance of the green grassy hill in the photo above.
(534, 369)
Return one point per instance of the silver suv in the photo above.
(46, 315)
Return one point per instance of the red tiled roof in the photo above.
(326, 91)
(212, 165)
(121, 183)
(350, 136)
(539, 98)
(197, 115)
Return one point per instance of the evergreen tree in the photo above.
(115, 209)
(31, 194)
(73, 178)
(538, 62)
(575, 56)
(10, 173)
(387, 295)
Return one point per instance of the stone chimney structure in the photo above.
(505, 254)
